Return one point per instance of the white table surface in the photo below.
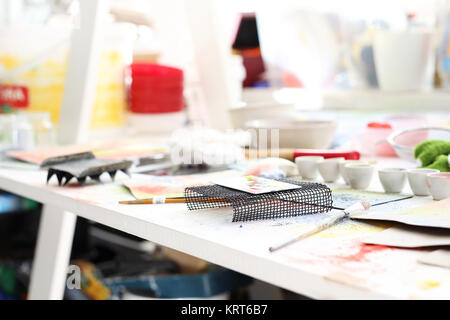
(330, 265)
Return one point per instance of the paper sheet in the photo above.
(440, 258)
(434, 214)
(255, 185)
(344, 198)
(410, 237)
(147, 186)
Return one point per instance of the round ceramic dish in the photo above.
(404, 141)
(439, 184)
(307, 166)
(345, 162)
(359, 175)
(418, 181)
(329, 168)
(296, 134)
(392, 179)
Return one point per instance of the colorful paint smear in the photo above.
(146, 186)
(255, 185)
(435, 214)
(120, 149)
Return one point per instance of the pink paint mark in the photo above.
(159, 190)
(363, 251)
(350, 257)
(87, 201)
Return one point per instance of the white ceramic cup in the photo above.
(342, 165)
(418, 181)
(359, 175)
(439, 184)
(307, 166)
(329, 168)
(392, 179)
(404, 60)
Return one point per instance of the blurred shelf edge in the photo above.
(347, 99)
(433, 100)
(138, 245)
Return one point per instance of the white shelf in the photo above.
(387, 101)
(376, 100)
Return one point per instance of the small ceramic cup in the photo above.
(418, 181)
(439, 184)
(392, 179)
(359, 175)
(342, 165)
(307, 166)
(329, 168)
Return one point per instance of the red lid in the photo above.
(379, 125)
(156, 71)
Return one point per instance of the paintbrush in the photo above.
(162, 199)
(357, 208)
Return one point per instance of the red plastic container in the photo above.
(327, 154)
(155, 89)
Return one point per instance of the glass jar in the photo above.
(7, 138)
(43, 129)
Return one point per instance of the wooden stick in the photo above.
(160, 200)
(279, 153)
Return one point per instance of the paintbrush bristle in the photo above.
(366, 204)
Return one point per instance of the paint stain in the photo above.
(151, 189)
(363, 251)
(87, 201)
(429, 284)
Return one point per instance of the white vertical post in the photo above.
(48, 277)
(13, 11)
(79, 91)
(211, 57)
(57, 226)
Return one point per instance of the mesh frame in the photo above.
(311, 198)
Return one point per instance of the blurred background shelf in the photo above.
(382, 101)
(370, 99)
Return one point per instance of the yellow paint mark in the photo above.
(352, 227)
(429, 284)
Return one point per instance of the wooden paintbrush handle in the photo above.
(280, 153)
(161, 200)
(291, 154)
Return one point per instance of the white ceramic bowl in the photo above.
(359, 175)
(345, 162)
(392, 179)
(439, 184)
(418, 181)
(296, 133)
(307, 166)
(329, 168)
(241, 115)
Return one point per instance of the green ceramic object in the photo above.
(429, 151)
(440, 164)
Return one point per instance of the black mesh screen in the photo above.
(311, 198)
